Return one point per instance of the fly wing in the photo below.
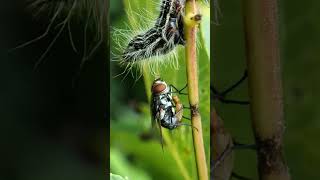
(155, 113)
(161, 138)
(153, 110)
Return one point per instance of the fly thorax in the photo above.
(166, 100)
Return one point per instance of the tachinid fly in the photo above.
(166, 109)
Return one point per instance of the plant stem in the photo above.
(192, 75)
(147, 82)
(265, 86)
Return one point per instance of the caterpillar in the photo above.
(162, 38)
(152, 46)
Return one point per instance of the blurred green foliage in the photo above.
(135, 150)
(116, 177)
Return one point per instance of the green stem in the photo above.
(147, 81)
(265, 86)
(193, 91)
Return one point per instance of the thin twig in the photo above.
(192, 75)
(265, 86)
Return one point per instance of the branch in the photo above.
(191, 20)
(265, 86)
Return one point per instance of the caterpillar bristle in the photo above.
(150, 43)
(60, 14)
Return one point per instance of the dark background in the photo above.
(53, 118)
(300, 45)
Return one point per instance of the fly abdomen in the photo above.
(169, 120)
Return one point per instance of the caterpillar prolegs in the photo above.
(162, 38)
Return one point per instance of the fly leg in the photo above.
(179, 112)
(221, 95)
(179, 91)
(184, 117)
(185, 124)
(179, 108)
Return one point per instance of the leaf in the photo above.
(119, 164)
(205, 26)
(117, 177)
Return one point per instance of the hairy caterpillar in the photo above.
(148, 47)
(162, 37)
(143, 46)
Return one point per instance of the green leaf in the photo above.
(120, 165)
(205, 26)
(117, 177)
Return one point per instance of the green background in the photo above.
(135, 147)
(300, 45)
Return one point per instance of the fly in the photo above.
(166, 109)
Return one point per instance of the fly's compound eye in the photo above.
(158, 88)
